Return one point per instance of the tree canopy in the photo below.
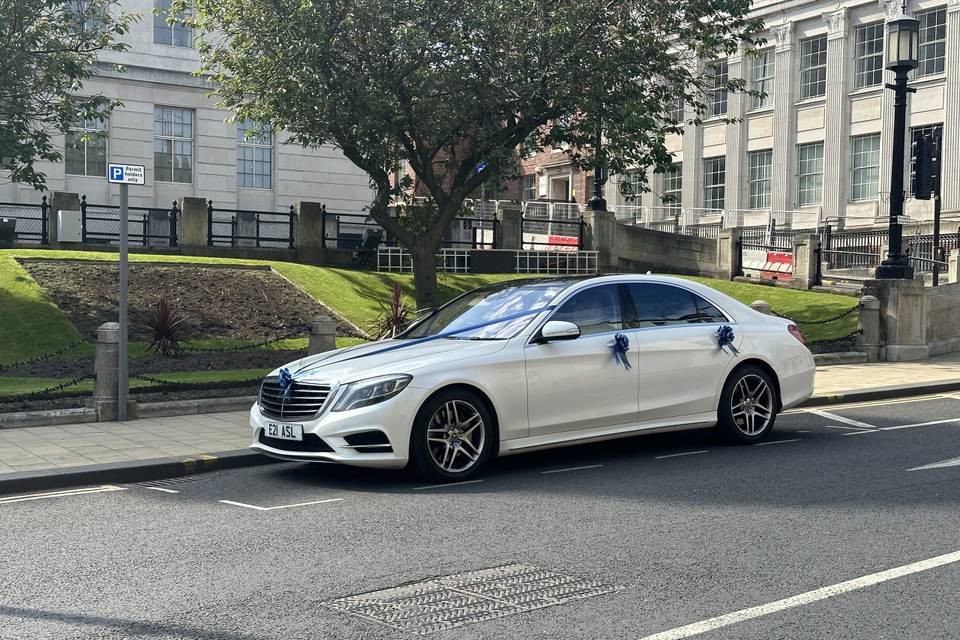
(49, 49)
(441, 85)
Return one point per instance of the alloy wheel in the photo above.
(751, 405)
(456, 436)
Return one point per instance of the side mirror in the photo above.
(559, 330)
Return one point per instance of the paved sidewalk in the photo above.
(169, 446)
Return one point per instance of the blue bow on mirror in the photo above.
(286, 383)
(725, 338)
(621, 346)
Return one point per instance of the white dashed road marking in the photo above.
(677, 455)
(804, 598)
(761, 444)
(162, 489)
(906, 426)
(589, 466)
(282, 506)
(61, 494)
(953, 462)
(449, 484)
(835, 418)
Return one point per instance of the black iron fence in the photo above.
(29, 220)
(248, 228)
(146, 226)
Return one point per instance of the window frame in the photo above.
(753, 181)
(621, 295)
(100, 130)
(801, 177)
(710, 189)
(868, 64)
(253, 144)
(630, 310)
(160, 25)
(674, 174)
(813, 70)
(766, 60)
(532, 188)
(717, 96)
(857, 184)
(174, 140)
(937, 44)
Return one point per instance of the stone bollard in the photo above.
(323, 335)
(953, 267)
(106, 366)
(869, 341)
(761, 306)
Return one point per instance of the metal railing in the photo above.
(147, 226)
(399, 260)
(249, 228)
(557, 262)
(30, 220)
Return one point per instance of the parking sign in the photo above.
(125, 174)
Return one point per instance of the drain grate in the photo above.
(465, 598)
(165, 481)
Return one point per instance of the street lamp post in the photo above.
(903, 42)
(597, 202)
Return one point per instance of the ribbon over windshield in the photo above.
(725, 338)
(621, 346)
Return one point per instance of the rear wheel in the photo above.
(748, 405)
(452, 437)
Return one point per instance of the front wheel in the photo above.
(452, 437)
(748, 406)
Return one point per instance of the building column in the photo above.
(736, 176)
(784, 115)
(692, 169)
(951, 114)
(835, 143)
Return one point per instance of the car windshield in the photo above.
(485, 306)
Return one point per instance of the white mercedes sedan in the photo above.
(531, 364)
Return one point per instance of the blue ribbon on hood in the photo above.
(725, 338)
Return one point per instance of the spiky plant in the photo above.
(164, 323)
(394, 315)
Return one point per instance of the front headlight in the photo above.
(364, 393)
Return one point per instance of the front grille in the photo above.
(311, 443)
(305, 402)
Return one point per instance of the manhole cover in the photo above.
(465, 598)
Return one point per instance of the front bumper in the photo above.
(394, 418)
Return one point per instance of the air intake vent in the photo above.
(304, 402)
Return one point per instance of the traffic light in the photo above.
(921, 172)
(935, 164)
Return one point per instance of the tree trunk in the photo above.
(425, 277)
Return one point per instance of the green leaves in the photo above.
(50, 47)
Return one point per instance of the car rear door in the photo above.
(578, 384)
(680, 362)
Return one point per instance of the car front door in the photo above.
(680, 363)
(578, 384)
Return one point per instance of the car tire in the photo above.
(748, 406)
(452, 437)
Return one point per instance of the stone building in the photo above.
(171, 125)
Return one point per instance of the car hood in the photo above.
(367, 361)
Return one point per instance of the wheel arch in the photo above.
(480, 393)
(760, 364)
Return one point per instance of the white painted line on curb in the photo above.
(282, 506)
(449, 484)
(762, 444)
(677, 455)
(589, 466)
(836, 418)
(804, 598)
(61, 494)
(162, 489)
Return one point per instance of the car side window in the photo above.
(656, 305)
(708, 312)
(594, 310)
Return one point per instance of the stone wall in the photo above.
(943, 318)
(644, 249)
(914, 322)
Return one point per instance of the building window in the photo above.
(673, 186)
(764, 69)
(254, 155)
(172, 144)
(761, 172)
(915, 134)
(813, 67)
(632, 186)
(85, 152)
(866, 167)
(676, 111)
(717, 97)
(809, 174)
(176, 34)
(933, 38)
(869, 55)
(714, 182)
(529, 188)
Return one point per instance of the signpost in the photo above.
(124, 175)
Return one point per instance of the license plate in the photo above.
(285, 431)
